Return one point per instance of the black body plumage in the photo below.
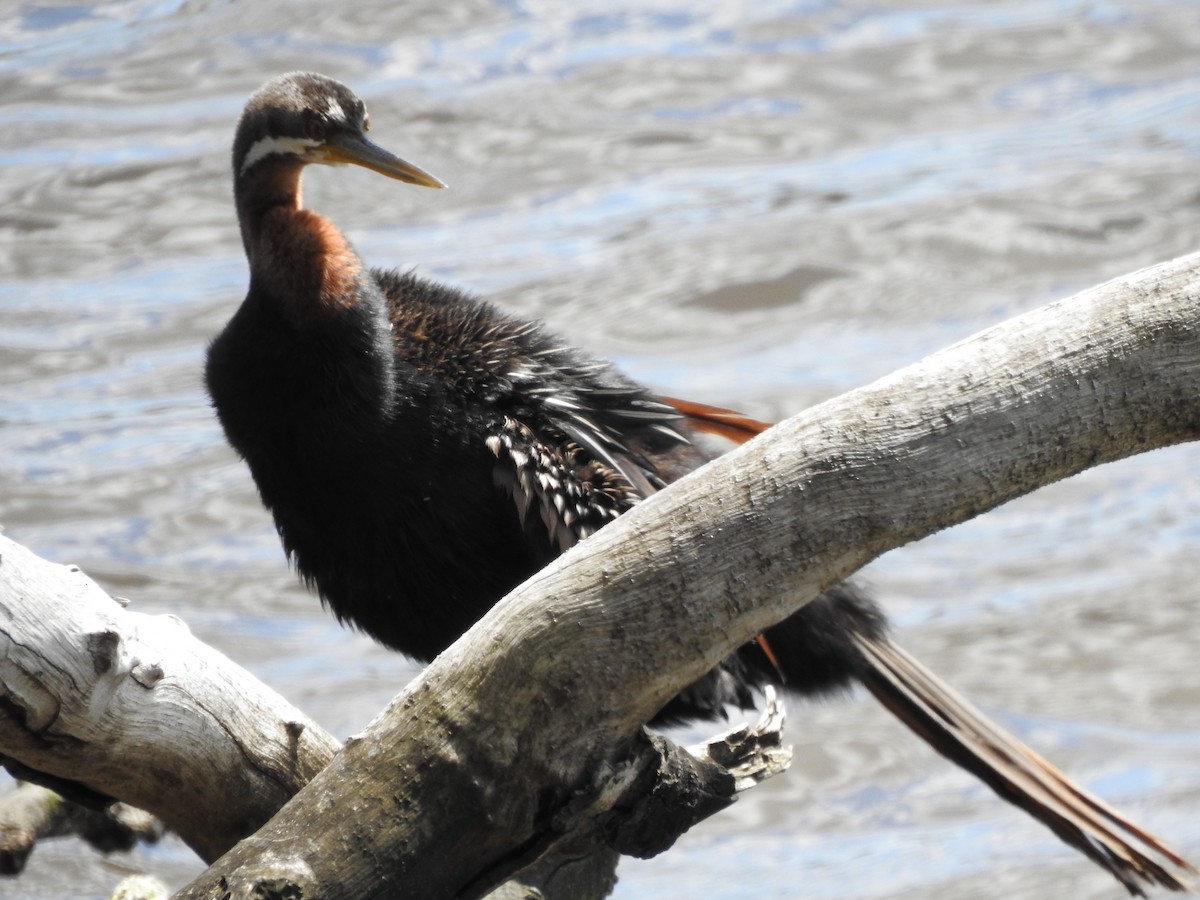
(423, 453)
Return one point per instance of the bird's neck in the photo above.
(297, 257)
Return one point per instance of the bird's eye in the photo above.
(314, 128)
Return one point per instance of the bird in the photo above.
(414, 441)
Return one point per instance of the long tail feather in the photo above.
(726, 423)
(964, 735)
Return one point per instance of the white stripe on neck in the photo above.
(267, 146)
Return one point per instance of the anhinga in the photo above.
(414, 442)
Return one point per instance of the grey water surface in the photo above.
(759, 205)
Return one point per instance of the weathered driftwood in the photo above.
(512, 738)
(523, 735)
(131, 706)
(76, 718)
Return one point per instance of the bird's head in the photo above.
(303, 118)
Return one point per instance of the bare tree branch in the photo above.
(133, 707)
(514, 735)
(75, 718)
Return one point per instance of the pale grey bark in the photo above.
(134, 707)
(102, 702)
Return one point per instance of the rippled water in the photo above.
(759, 205)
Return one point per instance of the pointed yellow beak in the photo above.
(356, 150)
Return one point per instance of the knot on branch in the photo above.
(147, 674)
(278, 877)
(102, 647)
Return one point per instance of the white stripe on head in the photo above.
(334, 110)
(268, 146)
